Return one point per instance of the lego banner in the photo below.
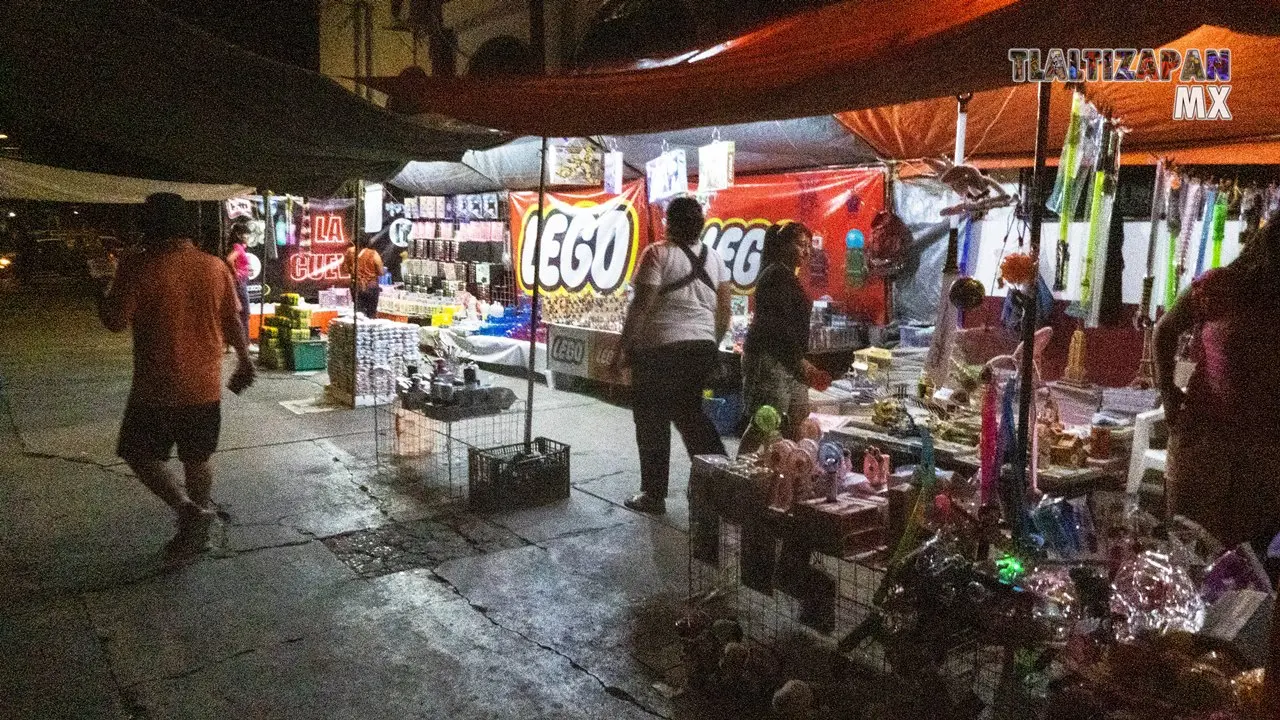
(837, 205)
(590, 242)
(593, 240)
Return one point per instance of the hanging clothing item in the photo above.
(1206, 222)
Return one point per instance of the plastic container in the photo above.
(500, 478)
(305, 356)
(725, 413)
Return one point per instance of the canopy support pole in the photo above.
(937, 365)
(534, 308)
(1027, 388)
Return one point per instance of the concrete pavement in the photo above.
(335, 591)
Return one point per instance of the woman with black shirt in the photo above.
(774, 369)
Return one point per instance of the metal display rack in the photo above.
(803, 594)
(413, 445)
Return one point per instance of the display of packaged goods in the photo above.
(597, 312)
(290, 298)
(335, 297)
(414, 304)
(365, 357)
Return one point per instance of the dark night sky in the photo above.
(285, 30)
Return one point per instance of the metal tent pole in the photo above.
(1027, 388)
(938, 361)
(355, 292)
(533, 310)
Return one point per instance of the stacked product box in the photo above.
(365, 358)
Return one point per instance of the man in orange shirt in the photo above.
(367, 270)
(182, 306)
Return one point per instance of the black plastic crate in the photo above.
(500, 478)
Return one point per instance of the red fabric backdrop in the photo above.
(592, 240)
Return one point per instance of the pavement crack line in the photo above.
(611, 690)
(197, 669)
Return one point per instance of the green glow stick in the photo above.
(1219, 228)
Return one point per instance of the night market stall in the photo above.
(979, 549)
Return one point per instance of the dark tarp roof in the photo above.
(849, 56)
(760, 147)
(122, 88)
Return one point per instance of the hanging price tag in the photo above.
(613, 173)
(715, 166)
(667, 175)
(573, 162)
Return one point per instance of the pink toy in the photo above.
(875, 465)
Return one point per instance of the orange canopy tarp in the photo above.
(1001, 122)
(848, 56)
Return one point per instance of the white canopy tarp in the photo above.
(27, 181)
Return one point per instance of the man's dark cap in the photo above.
(165, 216)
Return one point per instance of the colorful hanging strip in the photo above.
(1219, 228)
(1060, 199)
(1191, 198)
(1080, 307)
(1173, 220)
(1206, 223)
(1110, 179)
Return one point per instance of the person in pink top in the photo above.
(1224, 446)
(241, 270)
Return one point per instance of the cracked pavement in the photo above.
(332, 591)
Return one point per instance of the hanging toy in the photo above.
(1173, 219)
(855, 259)
(1191, 198)
(1018, 269)
(967, 293)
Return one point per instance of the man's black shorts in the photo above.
(150, 432)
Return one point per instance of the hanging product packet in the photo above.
(1100, 233)
(1192, 193)
(1206, 224)
(1082, 144)
(1081, 306)
(1219, 232)
(855, 259)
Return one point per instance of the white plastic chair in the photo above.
(1143, 457)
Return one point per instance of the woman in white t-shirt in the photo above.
(671, 339)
